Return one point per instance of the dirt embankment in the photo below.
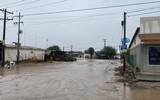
(128, 76)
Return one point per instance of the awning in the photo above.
(150, 38)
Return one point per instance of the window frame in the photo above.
(148, 56)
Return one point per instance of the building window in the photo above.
(154, 55)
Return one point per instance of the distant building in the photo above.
(145, 49)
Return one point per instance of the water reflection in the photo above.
(1, 72)
(145, 94)
(81, 80)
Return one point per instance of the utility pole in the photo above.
(4, 33)
(4, 37)
(104, 40)
(63, 48)
(47, 42)
(71, 48)
(19, 32)
(124, 42)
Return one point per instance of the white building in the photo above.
(145, 49)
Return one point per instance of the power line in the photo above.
(44, 5)
(108, 14)
(76, 17)
(104, 14)
(140, 10)
(88, 9)
(143, 13)
(25, 3)
(84, 16)
(11, 3)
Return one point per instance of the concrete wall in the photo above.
(149, 25)
(136, 57)
(136, 41)
(25, 54)
(139, 57)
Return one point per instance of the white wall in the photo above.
(149, 25)
(136, 41)
(25, 54)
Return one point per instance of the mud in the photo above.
(81, 80)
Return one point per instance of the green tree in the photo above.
(54, 48)
(109, 52)
(91, 51)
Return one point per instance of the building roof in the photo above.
(24, 47)
(134, 36)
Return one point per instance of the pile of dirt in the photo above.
(128, 75)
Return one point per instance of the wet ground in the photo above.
(81, 80)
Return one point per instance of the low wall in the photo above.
(25, 54)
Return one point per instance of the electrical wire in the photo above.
(43, 5)
(85, 15)
(76, 17)
(140, 10)
(25, 3)
(88, 9)
(105, 14)
(12, 3)
(144, 13)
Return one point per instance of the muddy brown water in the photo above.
(81, 80)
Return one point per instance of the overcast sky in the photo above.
(81, 29)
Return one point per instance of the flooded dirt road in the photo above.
(81, 80)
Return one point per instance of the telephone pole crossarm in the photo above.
(7, 19)
(5, 10)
